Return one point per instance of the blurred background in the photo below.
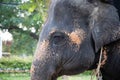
(21, 20)
(20, 25)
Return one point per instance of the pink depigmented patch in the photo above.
(77, 36)
(32, 70)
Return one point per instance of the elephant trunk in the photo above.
(42, 72)
(43, 66)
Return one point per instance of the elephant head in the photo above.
(72, 35)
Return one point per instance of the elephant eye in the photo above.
(58, 38)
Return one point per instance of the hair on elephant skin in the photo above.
(72, 37)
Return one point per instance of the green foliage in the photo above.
(37, 13)
(7, 15)
(23, 44)
(30, 14)
(30, 6)
(14, 62)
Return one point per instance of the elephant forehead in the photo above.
(77, 36)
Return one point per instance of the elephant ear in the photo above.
(105, 25)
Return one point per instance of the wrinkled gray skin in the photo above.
(71, 39)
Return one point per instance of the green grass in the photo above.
(78, 77)
(14, 76)
(83, 76)
(26, 76)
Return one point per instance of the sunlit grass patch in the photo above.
(14, 76)
(84, 76)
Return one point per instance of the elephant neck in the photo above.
(111, 68)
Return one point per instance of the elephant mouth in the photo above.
(59, 72)
(53, 78)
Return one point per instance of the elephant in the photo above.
(115, 3)
(72, 38)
